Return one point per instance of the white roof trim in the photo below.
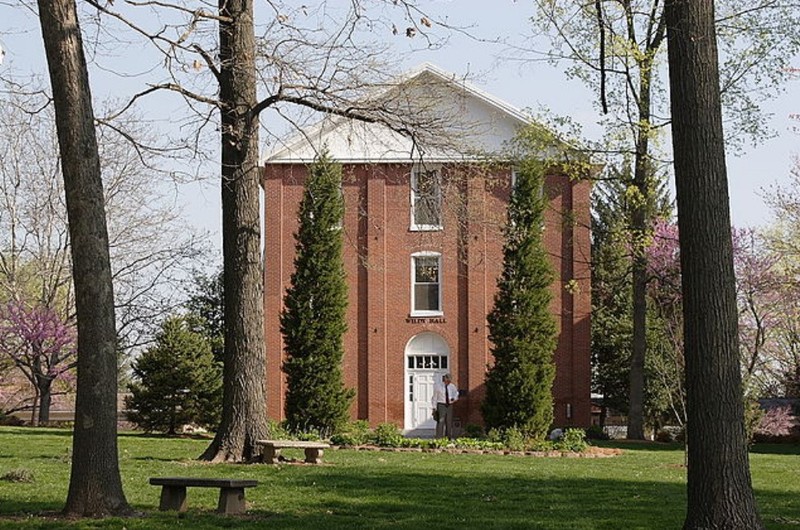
(331, 122)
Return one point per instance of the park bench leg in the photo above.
(231, 501)
(173, 498)
(314, 456)
(270, 455)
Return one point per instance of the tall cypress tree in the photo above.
(522, 330)
(313, 319)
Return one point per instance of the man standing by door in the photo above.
(444, 395)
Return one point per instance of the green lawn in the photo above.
(643, 488)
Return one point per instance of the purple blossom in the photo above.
(37, 341)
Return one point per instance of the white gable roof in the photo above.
(455, 120)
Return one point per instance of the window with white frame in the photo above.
(426, 286)
(426, 199)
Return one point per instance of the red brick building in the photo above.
(423, 249)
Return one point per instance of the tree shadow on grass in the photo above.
(155, 436)
(355, 498)
(776, 449)
(638, 445)
(36, 431)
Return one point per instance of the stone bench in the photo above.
(272, 449)
(231, 492)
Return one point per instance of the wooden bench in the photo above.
(231, 492)
(272, 449)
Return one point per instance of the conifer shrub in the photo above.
(176, 382)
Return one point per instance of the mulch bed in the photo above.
(590, 452)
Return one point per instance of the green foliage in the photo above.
(176, 382)
(206, 303)
(595, 432)
(521, 327)
(352, 434)
(387, 435)
(612, 295)
(473, 430)
(613, 246)
(514, 439)
(313, 320)
(753, 414)
(573, 440)
(277, 430)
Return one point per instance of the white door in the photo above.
(427, 360)
(421, 387)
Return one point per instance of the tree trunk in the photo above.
(95, 487)
(640, 221)
(637, 378)
(719, 492)
(45, 398)
(244, 415)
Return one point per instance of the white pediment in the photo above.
(451, 119)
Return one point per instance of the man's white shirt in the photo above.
(439, 395)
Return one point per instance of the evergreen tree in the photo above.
(612, 295)
(521, 328)
(313, 320)
(176, 382)
(613, 247)
(207, 303)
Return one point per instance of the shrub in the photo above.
(511, 438)
(573, 440)
(176, 381)
(473, 431)
(595, 432)
(752, 418)
(277, 430)
(387, 435)
(308, 436)
(346, 439)
(352, 434)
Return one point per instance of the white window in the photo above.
(426, 199)
(426, 291)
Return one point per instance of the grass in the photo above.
(643, 488)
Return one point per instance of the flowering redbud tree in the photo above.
(41, 345)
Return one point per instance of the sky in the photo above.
(524, 85)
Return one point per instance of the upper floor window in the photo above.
(426, 199)
(426, 292)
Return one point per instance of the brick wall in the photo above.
(378, 248)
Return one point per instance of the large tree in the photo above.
(720, 493)
(95, 486)
(519, 385)
(314, 320)
(244, 414)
